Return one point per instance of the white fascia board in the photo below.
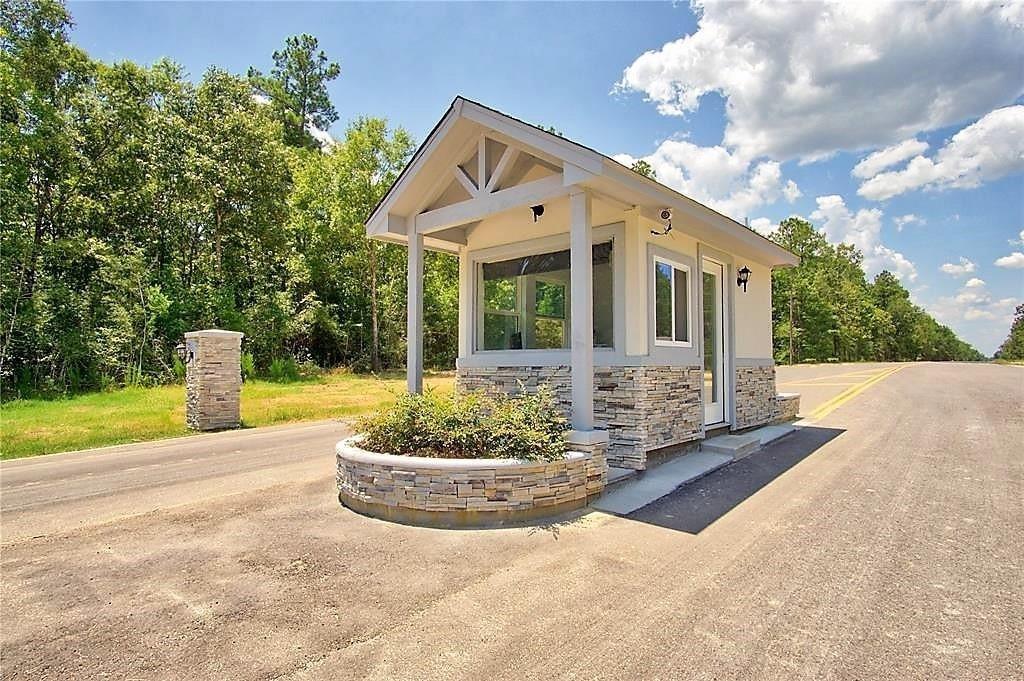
(373, 223)
(772, 254)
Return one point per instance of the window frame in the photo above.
(675, 265)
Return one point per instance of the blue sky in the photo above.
(762, 112)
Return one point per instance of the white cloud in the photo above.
(862, 229)
(1019, 241)
(958, 270)
(973, 302)
(1014, 261)
(902, 221)
(987, 150)
(764, 226)
(808, 79)
(890, 156)
(718, 177)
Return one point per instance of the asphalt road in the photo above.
(881, 541)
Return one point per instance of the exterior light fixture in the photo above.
(742, 277)
(538, 210)
(184, 354)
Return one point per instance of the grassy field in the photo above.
(32, 427)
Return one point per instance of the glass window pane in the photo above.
(550, 299)
(682, 307)
(501, 332)
(549, 334)
(500, 294)
(544, 314)
(662, 301)
(604, 295)
(710, 339)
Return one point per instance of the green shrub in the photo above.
(527, 427)
(248, 366)
(284, 370)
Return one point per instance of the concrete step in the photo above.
(655, 483)
(735, 446)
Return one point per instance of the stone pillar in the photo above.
(213, 379)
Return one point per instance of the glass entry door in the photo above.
(714, 342)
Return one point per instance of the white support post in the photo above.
(414, 329)
(582, 310)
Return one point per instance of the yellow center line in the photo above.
(811, 385)
(842, 398)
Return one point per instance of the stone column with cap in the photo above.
(213, 379)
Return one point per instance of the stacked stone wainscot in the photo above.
(755, 396)
(643, 408)
(466, 492)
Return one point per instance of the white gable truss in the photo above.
(478, 162)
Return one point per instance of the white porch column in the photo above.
(582, 310)
(414, 303)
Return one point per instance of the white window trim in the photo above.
(675, 265)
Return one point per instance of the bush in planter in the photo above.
(528, 427)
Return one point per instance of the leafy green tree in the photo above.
(644, 168)
(297, 88)
(1013, 347)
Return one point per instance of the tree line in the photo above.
(827, 310)
(137, 205)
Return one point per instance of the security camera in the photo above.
(665, 214)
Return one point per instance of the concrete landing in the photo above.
(636, 489)
(659, 481)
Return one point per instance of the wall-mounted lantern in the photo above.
(183, 352)
(742, 277)
(538, 211)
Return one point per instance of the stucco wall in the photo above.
(753, 312)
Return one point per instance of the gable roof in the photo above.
(608, 174)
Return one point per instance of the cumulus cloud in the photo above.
(720, 178)
(973, 302)
(987, 150)
(764, 226)
(902, 221)
(958, 270)
(1019, 241)
(808, 79)
(875, 163)
(1014, 261)
(862, 229)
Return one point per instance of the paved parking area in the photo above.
(883, 542)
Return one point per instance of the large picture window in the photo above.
(525, 303)
(671, 303)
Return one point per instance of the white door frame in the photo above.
(720, 414)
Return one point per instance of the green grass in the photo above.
(33, 427)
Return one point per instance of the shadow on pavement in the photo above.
(695, 506)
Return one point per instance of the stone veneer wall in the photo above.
(213, 379)
(787, 406)
(755, 396)
(466, 492)
(642, 407)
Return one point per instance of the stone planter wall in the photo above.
(787, 406)
(642, 407)
(465, 492)
(755, 396)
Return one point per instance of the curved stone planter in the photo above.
(465, 492)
